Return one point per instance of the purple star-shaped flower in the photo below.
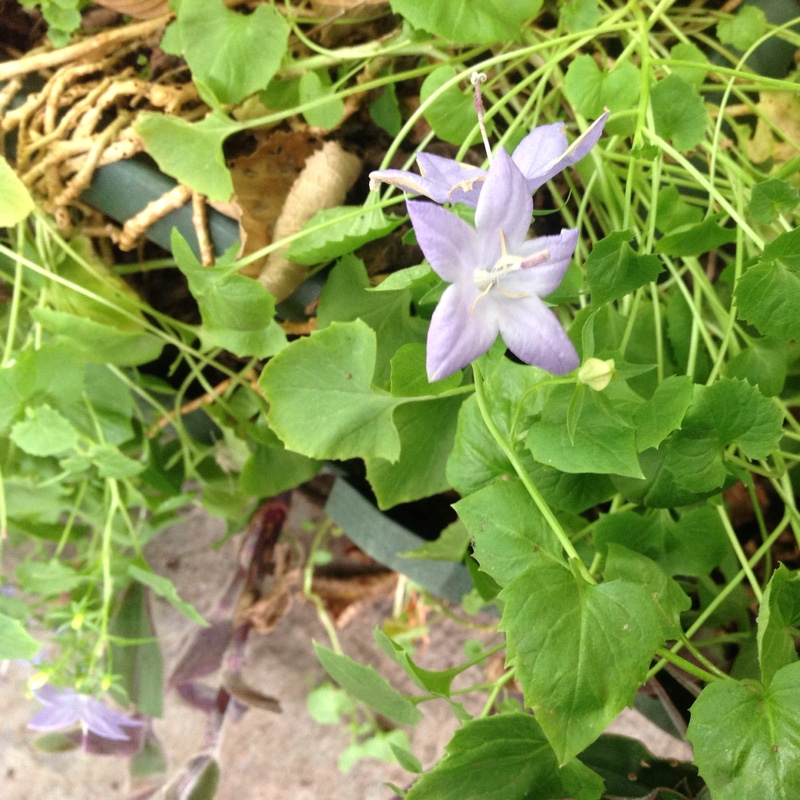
(65, 707)
(542, 154)
(497, 278)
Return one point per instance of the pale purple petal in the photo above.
(443, 180)
(505, 204)
(449, 243)
(461, 330)
(543, 152)
(460, 182)
(410, 182)
(542, 279)
(534, 334)
(105, 721)
(539, 149)
(54, 718)
(65, 707)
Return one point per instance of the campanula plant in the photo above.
(607, 399)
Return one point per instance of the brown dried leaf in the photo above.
(781, 110)
(261, 182)
(337, 10)
(319, 6)
(344, 597)
(323, 183)
(264, 611)
(138, 9)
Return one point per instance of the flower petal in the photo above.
(542, 146)
(505, 204)
(539, 158)
(409, 182)
(542, 279)
(461, 330)
(461, 182)
(54, 718)
(448, 242)
(534, 334)
(105, 721)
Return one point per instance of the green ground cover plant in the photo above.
(594, 372)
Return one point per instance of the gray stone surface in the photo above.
(285, 756)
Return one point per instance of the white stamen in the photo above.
(487, 279)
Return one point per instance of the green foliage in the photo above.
(451, 114)
(744, 28)
(614, 269)
(579, 15)
(63, 18)
(772, 198)
(238, 312)
(603, 439)
(366, 685)
(469, 21)
(335, 232)
(777, 623)
(505, 527)
(15, 641)
(686, 51)
(767, 295)
(694, 240)
(730, 411)
(763, 363)
(164, 587)
(692, 545)
(594, 519)
(575, 698)
(44, 432)
(190, 152)
(140, 665)
(15, 199)
(452, 545)
(745, 736)
(591, 90)
(231, 55)
(315, 86)
(506, 757)
(322, 402)
(679, 113)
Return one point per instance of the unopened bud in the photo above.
(596, 373)
(38, 680)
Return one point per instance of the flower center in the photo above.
(487, 279)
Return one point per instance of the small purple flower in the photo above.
(542, 154)
(497, 278)
(65, 707)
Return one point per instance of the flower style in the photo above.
(542, 154)
(497, 278)
(65, 707)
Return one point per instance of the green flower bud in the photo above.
(596, 373)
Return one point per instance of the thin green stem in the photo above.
(527, 482)
(13, 312)
(740, 555)
(499, 684)
(686, 666)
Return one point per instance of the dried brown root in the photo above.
(88, 48)
(136, 226)
(200, 222)
(251, 377)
